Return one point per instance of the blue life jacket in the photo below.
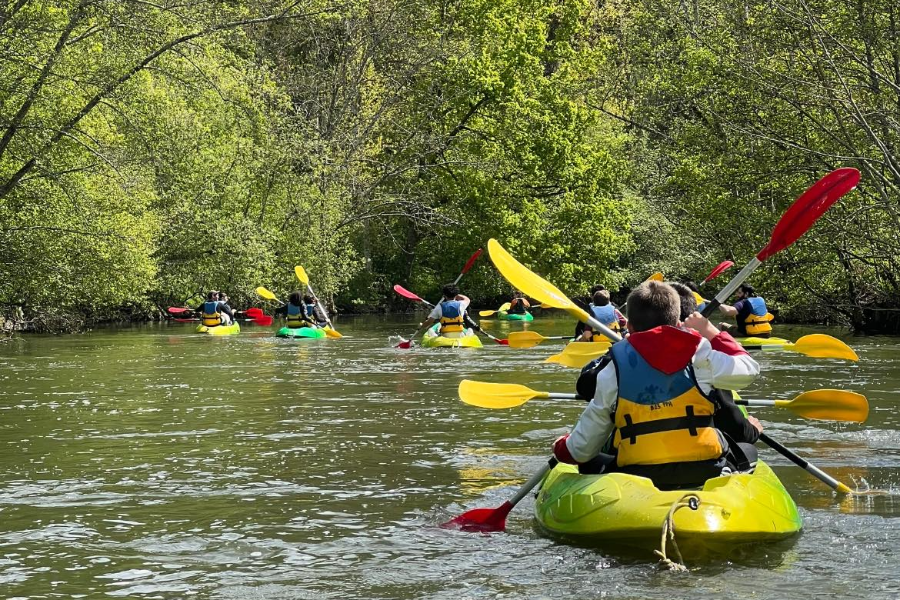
(295, 316)
(210, 315)
(606, 315)
(451, 316)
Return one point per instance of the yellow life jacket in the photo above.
(451, 316)
(759, 321)
(661, 418)
(211, 317)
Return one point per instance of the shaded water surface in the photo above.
(153, 462)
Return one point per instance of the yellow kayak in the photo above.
(232, 329)
(629, 510)
(468, 339)
(758, 341)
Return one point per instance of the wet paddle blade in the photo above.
(300, 272)
(486, 313)
(404, 345)
(264, 320)
(578, 354)
(264, 293)
(819, 345)
(407, 294)
(829, 405)
(525, 339)
(177, 310)
(254, 313)
(720, 268)
(481, 520)
(496, 395)
(332, 333)
(807, 209)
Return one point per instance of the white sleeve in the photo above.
(595, 424)
(463, 305)
(436, 313)
(723, 371)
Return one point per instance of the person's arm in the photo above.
(730, 419)
(720, 361)
(281, 311)
(593, 428)
(470, 322)
(525, 303)
(623, 322)
(728, 311)
(225, 309)
(433, 318)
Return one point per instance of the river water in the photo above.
(152, 462)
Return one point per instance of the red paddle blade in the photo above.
(404, 345)
(185, 320)
(721, 268)
(255, 313)
(481, 520)
(502, 342)
(472, 260)
(406, 293)
(265, 320)
(177, 310)
(807, 209)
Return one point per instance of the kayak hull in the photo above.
(232, 329)
(627, 510)
(301, 332)
(758, 341)
(505, 316)
(431, 339)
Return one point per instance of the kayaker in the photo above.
(450, 313)
(698, 298)
(587, 305)
(604, 311)
(657, 397)
(227, 311)
(519, 305)
(314, 312)
(214, 313)
(295, 311)
(749, 312)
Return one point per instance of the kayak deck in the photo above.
(505, 316)
(301, 332)
(232, 329)
(629, 510)
(431, 339)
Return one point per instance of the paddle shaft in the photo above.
(732, 285)
(806, 466)
(531, 483)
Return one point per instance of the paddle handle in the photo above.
(757, 402)
(806, 466)
(532, 483)
(732, 285)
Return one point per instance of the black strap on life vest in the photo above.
(692, 423)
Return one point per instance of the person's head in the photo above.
(600, 298)
(518, 294)
(745, 290)
(212, 296)
(688, 301)
(450, 291)
(223, 297)
(651, 304)
(295, 298)
(308, 299)
(691, 286)
(597, 288)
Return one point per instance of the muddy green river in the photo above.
(153, 462)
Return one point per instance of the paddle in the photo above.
(410, 296)
(407, 344)
(815, 345)
(795, 222)
(178, 310)
(330, 331)
(806, 466)
(720, 268)
(488, 313)
(577, 354)
(823, 405)
(529, 339)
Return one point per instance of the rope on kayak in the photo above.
(691, 501)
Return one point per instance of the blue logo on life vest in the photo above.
(642, 384)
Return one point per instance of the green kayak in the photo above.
(301, 332)
(505, 316)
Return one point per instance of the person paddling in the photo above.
(296, 312)
(519, 305)
(604, 311)
(214, 313)
(450, 313)
(657, 398)
(749, 312)
(314, 312)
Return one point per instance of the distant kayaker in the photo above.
(295, 311)
(749, 312)
(657, 398)
(604, 311)
(225, 309)
(314, 312)
(519, 305)
(214, 313)
(698, 298)
(450, 313)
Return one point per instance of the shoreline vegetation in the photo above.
(150, 152)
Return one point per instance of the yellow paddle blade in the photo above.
(531, 284)
(486, 313)
(656, 277)
(332, 333)
(263, 292)
(496, 395)
(301, 275)
(819, 345)
(577, 354)
(504, 306)
(829, 405)
(524, 339)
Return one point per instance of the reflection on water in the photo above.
(153, 462)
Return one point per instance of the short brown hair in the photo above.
(652, 304)
(601, 298)
(687, 300)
